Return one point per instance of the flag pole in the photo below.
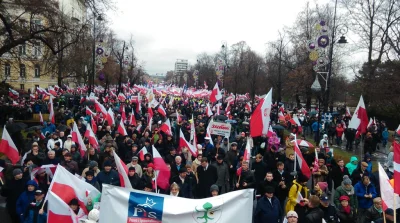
(295, 157)
(155, 180)
(394, 207)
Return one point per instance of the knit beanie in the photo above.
(16, 172)
(346, 180)
(323, 185)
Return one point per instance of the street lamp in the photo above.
(91, 77)
(316, 87)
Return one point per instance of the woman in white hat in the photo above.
(291, 217)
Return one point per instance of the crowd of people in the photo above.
(336, 192)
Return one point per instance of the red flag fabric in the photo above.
(143, 152)
(183, 143)
(164, 173)
(161, 110)
(8, 147)
(58, 210)
(110, 117)
(305, 170)
(178, 117)
(77, 138)
(215, 94)
(270, 132)
(247, 151)
(122, 171)
(396, 165)
(398, 130)
(359, 120)
(150, 117)
(121, 129)
(51, 109)
(89, 112)
(166, 127)
(40, 118)
(209, 113)
(123, 114)
(121, 97)
(94, 125)
(89, 134)
(259, 121)
(100, 108)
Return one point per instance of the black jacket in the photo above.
(185, 188)
(337, 175)
(314, 215)
(372, 214)
(260, 170)
(330, 215)
(206, 179)
(280, 192)
(135, 181)
(262, 185)
(248, 178)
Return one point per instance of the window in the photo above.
(22, 70)
(37, 70)
(7, 70)
(36, 24)
(22, 86)
(37, 49)
(22, 49)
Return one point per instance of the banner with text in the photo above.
(220, 128)
(133, 206)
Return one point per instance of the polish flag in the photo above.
(77, 138)
(171, 101)
(215, 94)
(299, 197)
(143, 152)
(305, 170)
(52, 91)
(218, 109)
(110, 117)
(132, 119)
(398, 130)
(150, 117)
(163, 172)
(89, 134)
(8, 147)
(247, 151)
(59, 210)
(89, 112)
(51, 109)
(122, 171)
(259, 121)
(316, 166)
(295, 121)
(32, 97)
(359, 120)
(281, 116)
(248, 106)
(123, 114)
(371, 122)
(100, 108)
(139, 104)
(183, 143)
(270, 132)
(348, 114)
(396, 165)
(40, 118)
(66, 187)
(178, 117)
(161, 110)
(387, 192)
(121, 129)
(282, 108)
(13, 93)
(193, 137)
(209, 113)
(205, 85)
(121, 97)
(166, 127)
(208, 132)
(94, 125)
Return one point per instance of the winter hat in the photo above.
(214, 187)
(292, 214)
(94, 215)
(269, 190)
(301, 178)
(344, 198)
(90, 173)
(131, 168)
(74, 201)
(150, 165)
(93, 164)
(16, 172)
(182, 170)
(107, 163)
(35, 144)
(199, 146)
(323, 185)
(40, 171)
(346, 180)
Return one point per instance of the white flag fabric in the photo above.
(123, 205)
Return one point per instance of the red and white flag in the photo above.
(193, 136)
(371, 122)
(270, 131)
(8, 148)
(51, 109)
(217, 109)
(121, 97)
(348, 113)
(163, 171)
(52, 91)
(178, 117)
(295, 121)
(110, 117)
(100, 108)
(183, 143)
(387, 192)
(396, 165)
(40, 118)
(66, 187)
(150, 115)
(161, 110)
(143, 152)
(208, 132)
(121, 129)
(281, 116)
(123, 113)
(13, 93)
(77, 138)
(215, 94)
(89, 112)
(316, 166)
(94, 125)
(247, 151)
(59, 210)
(122, 171)
(260, 119)
(205, 85)
(209, 113)
(398, 130)
(139, 104)
(89, 134)
(248, 106)
(166, 127)
(299, 197)
(132, 119)
(359, 121)
(305, 170)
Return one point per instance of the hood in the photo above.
(33, 183)
(353, 158)
(325, 136)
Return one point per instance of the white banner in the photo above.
(133, 206)
(220, 128)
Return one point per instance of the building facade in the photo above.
(26, 66)
(181, 66)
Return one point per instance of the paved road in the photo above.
(3, 212)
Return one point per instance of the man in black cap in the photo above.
(232, 158)
(184, 183)
(34, 212)
(12, 190)
(223, 174)
(108, 175)
(134, 178)
(329, 210)
(268, 208)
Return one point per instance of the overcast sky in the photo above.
(166, 30)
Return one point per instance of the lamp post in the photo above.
(224, 48)
(91, 77)
(316, 87)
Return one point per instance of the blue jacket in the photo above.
(25, 198)
(32, 213)
(268, 211)
(360, 190)
(314, 126)
(108, 178)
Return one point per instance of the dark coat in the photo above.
(248, 178)
(337, 175)
(135, 181)
(206, 179)
(280, 192)
(185, 188)
(175, 170)
(357, 175)
(268, 211)
(260, 170)
(372, 214)
(262, 185)
(108, 178)
(314, 215)
(344, 217)
(12, 190)
(26, 197)
(32, 213)
(330, 215)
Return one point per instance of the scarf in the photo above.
(346, 209)
(196, 161)
(348, 191)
